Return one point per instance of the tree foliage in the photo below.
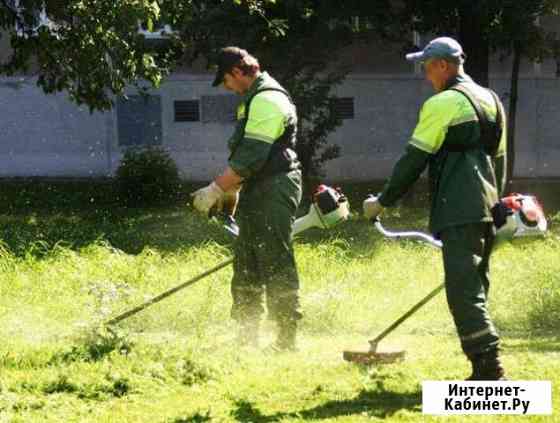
(89, 48)
(92, 49)
(484, 26)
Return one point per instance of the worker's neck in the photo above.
(453, 78)
(250, 81)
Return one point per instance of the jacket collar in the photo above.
(459, 79)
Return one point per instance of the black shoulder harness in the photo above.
(490, 134)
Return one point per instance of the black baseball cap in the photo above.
(226, 59)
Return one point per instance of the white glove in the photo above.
(206, 198)
(372, 207)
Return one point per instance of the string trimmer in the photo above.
(372, 355)
(519, 216)
(328, 208)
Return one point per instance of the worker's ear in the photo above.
(447, 65)
(236, 72)
(441, 64)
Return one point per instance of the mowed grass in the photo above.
(72, 259)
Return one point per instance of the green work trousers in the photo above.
(264, 263)
(466, 254)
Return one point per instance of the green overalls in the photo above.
(263, 153)
(465, 182)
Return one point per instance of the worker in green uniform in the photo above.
(466, 162)
(263, 162)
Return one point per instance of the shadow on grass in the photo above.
(172, 229)
(379, 403)
(164, 229)
(197, 417)
(41, 215)
(76, 214)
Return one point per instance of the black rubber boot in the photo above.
(487, 366)
(248, 334)
(286, 338)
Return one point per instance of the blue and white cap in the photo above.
(439, 48)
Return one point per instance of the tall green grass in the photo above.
(64, 273)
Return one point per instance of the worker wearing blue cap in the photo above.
(460, 138)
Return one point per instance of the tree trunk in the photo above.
(512, 114)
(473, 17)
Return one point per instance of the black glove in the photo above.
(500, 213)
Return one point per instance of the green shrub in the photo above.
(147, 176)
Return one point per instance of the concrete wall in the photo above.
(386, 111)
(46, 135)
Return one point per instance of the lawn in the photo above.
(70, 259)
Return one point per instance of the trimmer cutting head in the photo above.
(373, 356)
(377, 357)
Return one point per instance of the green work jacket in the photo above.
(464, 185)
(271, 115)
